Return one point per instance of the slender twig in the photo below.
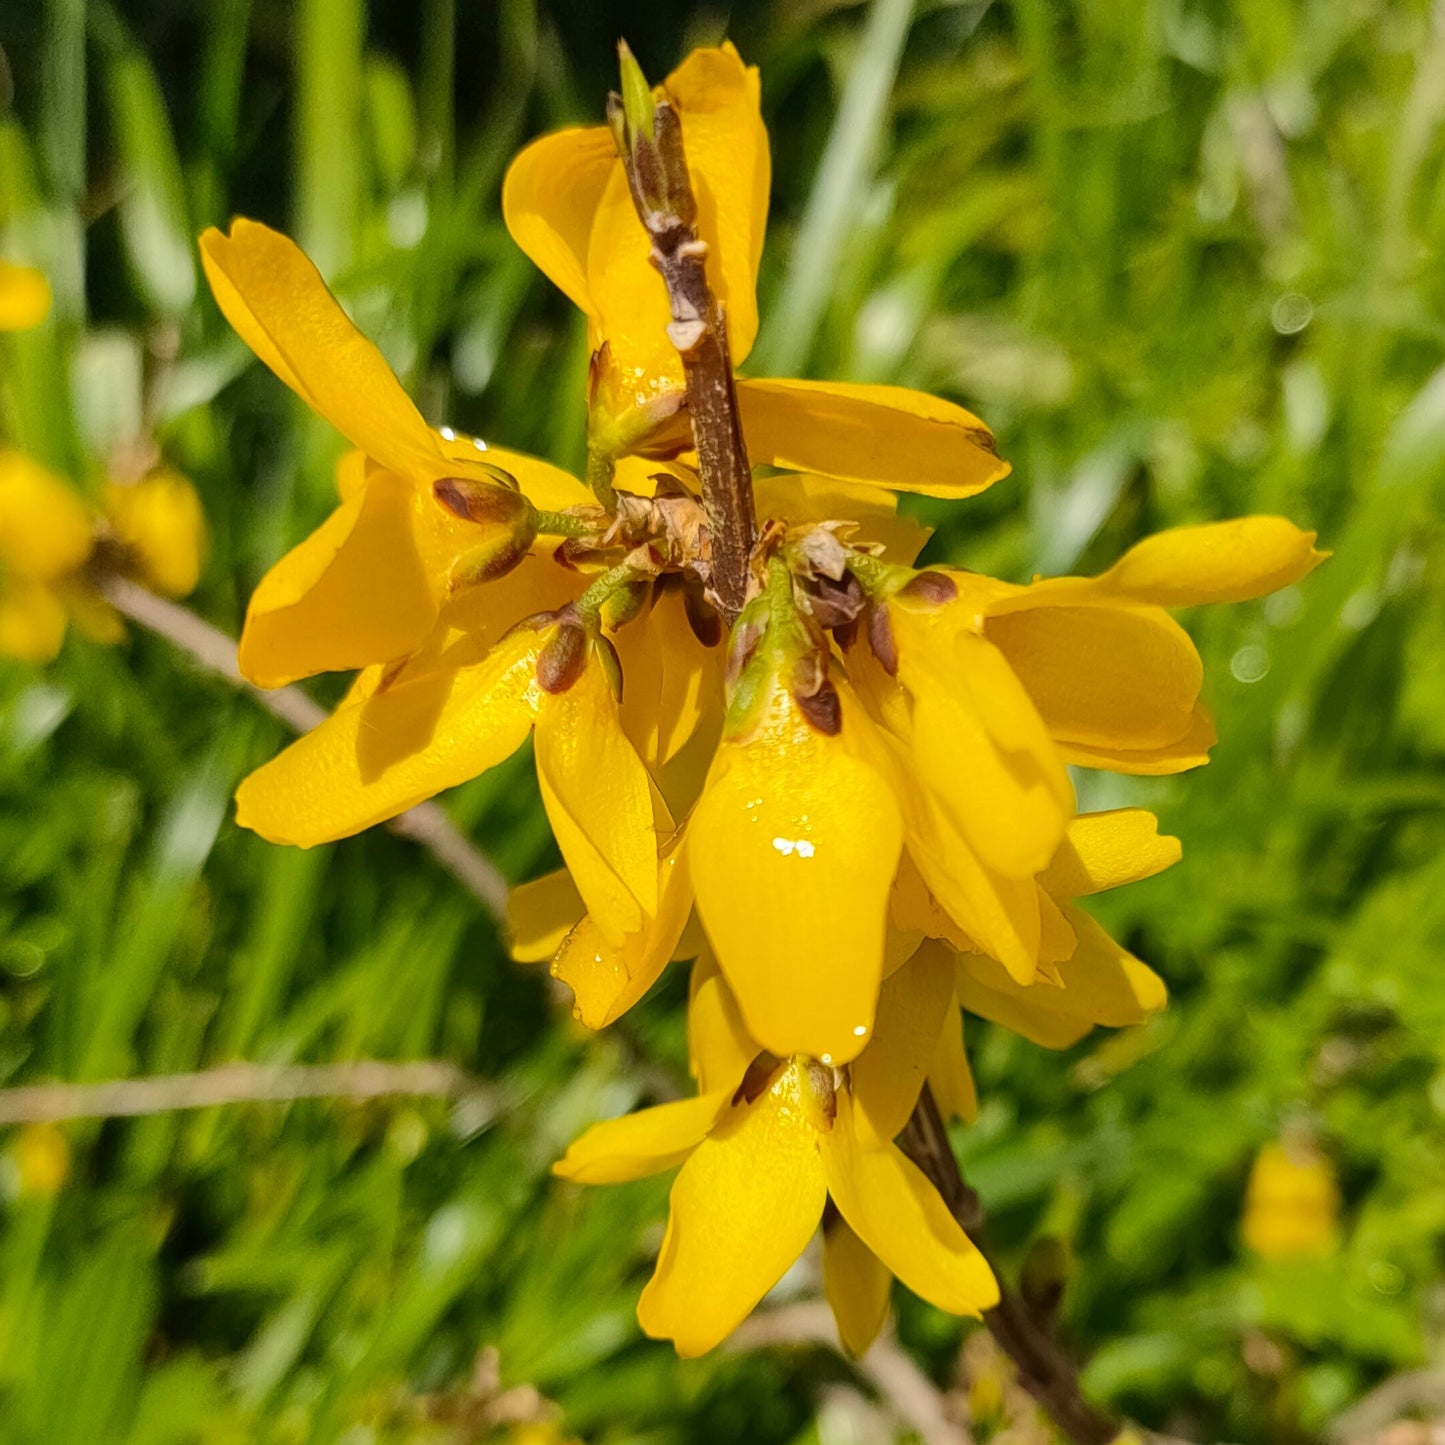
(215, 652)
(233, 1084)
(909, 1393)
(1045, 1371)
(662, 192)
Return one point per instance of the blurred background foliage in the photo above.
(1184, 255)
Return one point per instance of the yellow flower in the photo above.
(1292, 1205)
(24, 297)
(152, 530)
(765, 1144)
(567, 204)
(40, 1157)
(367, 586)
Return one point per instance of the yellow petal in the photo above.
(987, 990)
(89, 612)
(549, 199)
(1189, 751)
(856, 1284)
(979, 745)
(354, 592)
(986, 910)
(32, 620)
(1218, 562)
(277, 301)
(375, 758)
(1107, 850)
(742, 1209)
(599, 802)
(45, 530)
(793, 848)
(885, 435)
(1122, 677)
(949, 1076)
(898, 1214)
(540, 914)
(727, 154)
(24, 297)
(719, 1047)
(888, 1075)
(159, 519)
(607, 979)
(800, 498)
(691, 684)
(1101, 983)
(644, 1143)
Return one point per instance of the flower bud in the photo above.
(561, 661)
(507, 520)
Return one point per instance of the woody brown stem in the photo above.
(1045, 1371)
(662, 192)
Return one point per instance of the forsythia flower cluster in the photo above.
(850, 806)
(150, 527)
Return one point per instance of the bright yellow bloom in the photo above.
(762, 1148)
(152, 529)
(1292, 1205)
(567, 204)
(368, 585)
(24, 297)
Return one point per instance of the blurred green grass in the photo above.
(1183, 256)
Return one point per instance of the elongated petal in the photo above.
(719, 1047)
(159, 519)
(980, 746)
(1218, 562)
(986, 990)
(375, 758)
(549, 199)
(986, 910)
(32, 620)
(607, 979)
(1102, 983)
(1114, 677)
(45, 530)
(599, 802)
(277, 301)
(885, 435)
(1189, 751)
(856, 1284)
(793, 847)
(898, 1214)
(949, 1076)
(354, 592)
(644, 1143)
(743, 1207)
(888, 1075)
(24, 297)
(691, 685)
(1107, 850)
(540, 914)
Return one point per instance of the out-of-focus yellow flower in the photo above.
(1292, 1203)
(152, 530)
(40, 1156)
(158, 524)
(567, 204)
(765, 1144)
(24, 297)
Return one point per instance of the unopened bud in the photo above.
(561, 661)
(637, 102)
(506, 522)
(624, 604)
(475, 500)
(648, 136)
(881, 639)
(932, 588)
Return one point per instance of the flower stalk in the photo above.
(653, 158)
(1024, 1334)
